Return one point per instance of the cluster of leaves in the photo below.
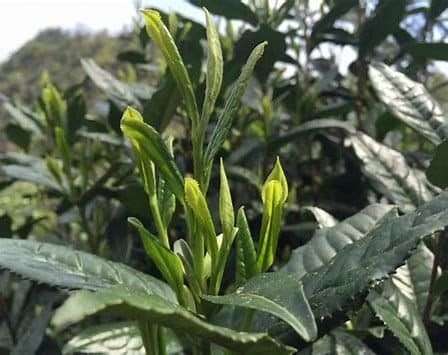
(367, 275)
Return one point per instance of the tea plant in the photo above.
(358, 284)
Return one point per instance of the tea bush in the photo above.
(321, 230)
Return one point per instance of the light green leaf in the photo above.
(410, 102)
(161, 36)
(264, 293)
(274, 195)
(401, 316)
(168, 263)
(151, 146)
(246, 264)
(226, 212)
(270, 224)
(232, 105)
(64, 267)
(157, 309)
(54, 105)
(199, 208)
(390, 174)
(327, 242)
(214, 70)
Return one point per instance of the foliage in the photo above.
(321, 230)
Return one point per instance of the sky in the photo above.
(21, 20)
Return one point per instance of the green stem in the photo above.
(160, 226)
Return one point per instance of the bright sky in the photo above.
(21, 20)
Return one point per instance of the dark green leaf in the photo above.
(437, 7)
(64, 267)
(264, 293)
(340, 342)
(437, 172)
(433, 51)
(410, 102)
(413, 279)
(390, 174)
(119, 92)
(157, 309)
(402, 317)
(384, 21)
(18, 136)
(231, 9)
(327, 242)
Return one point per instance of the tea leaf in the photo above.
(151, 146)
(246, 264)
(168, 263)
(402, 317)
(327, 242)
(409, 102)
(340, 342)
(156, 309)
(214, 70)
(390, 174)
(264, 293)
(161, 36)
(199, 208)
(323, 218)
(226, 212)
(64, 267)
(437, 171)
(434, 51)
(232, 105)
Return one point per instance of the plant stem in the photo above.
(435, 266)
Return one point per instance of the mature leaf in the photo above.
(153, 308)
(327, 242)
(158, 32)
(31, 337)
(23, 118)
(264, 293)
(434, 51)
(225, 119)
(402, 317)
(437, 8)
(339, 9)
(151, 146)
(119, 92)
(246, 266)
(410, 102)
(437, 172)
(155, 111)
(414, 278)
(115, 338)
(389, 172)
(64, 267)
(36, 174)
(214, 70)
(385, 21)
(340, 342)
(121, 338)
(373, 257)
(231, 9)
(323, 218)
